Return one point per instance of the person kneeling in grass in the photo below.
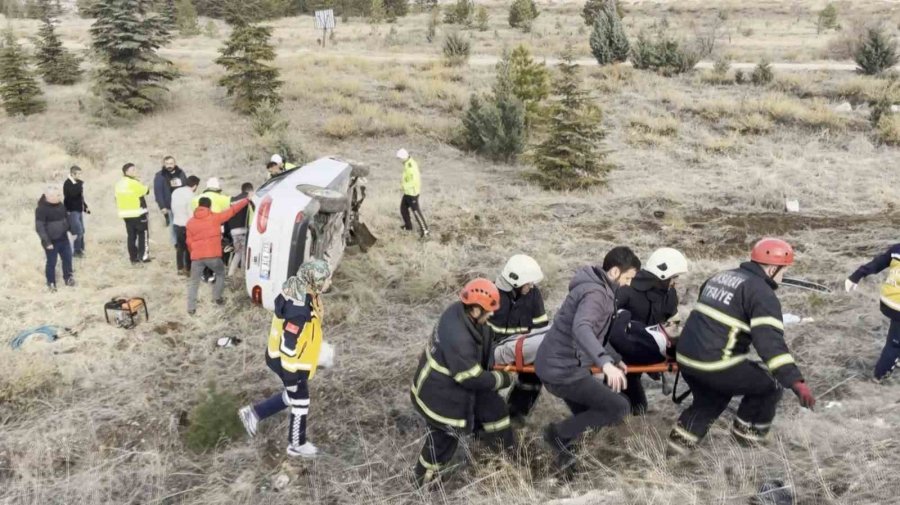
(295, 339)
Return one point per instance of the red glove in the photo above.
(804, 395)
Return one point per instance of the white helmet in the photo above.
(276, 158)
(521, 270)
(666, 263)
(213, 183)
(403, 154)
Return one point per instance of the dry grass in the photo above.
(95, 419)
(889, 129)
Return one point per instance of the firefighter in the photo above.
(737, 308)
(454, 389)
(295, 340)
(890, 306)
(521, 312)
(649, 300)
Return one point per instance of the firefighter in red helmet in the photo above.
(454, 389)
(737, 308)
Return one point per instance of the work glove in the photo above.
(850, 285)
(506, 380)
(804, 395)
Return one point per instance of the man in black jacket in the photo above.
(52, 226)
(454, 389)
(736, 308)
(169, 178)
(73, 199)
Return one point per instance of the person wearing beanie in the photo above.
(52, 226)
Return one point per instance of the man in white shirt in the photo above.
(181, 213)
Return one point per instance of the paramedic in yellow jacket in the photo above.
(295, 340)
(213, 191)
(412, 187)
(131, 204)
(890, 305)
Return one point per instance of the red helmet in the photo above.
(481, 292)
(773, 251)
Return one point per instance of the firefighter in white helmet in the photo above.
(521, 312)
(649, 301)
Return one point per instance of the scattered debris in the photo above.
(46, 333)
(844, 107)
(280, 481)
(833, 405)
(807, 285)
(659, 214)
(791, 205)
(326, 355)
(228, 342)
(566, 210)
(789, 319)
(774, 492)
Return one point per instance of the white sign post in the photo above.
(325, 22)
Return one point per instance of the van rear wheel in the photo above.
(330, 201)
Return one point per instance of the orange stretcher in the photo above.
(666, 366)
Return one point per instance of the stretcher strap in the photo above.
(520, 355)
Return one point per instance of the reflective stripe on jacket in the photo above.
(130, 195)
(518, 316)
(295, 336)
(455, 366)
(737, 308)
(412, 181)
(890, 290)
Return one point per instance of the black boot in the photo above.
(562, 451)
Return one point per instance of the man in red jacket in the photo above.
(204, 241)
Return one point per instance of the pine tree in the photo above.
(522, 14)
(609, 44)
(55, 64)
(482, 18)
(877, 53)
(396, 8)
(249, 77)
(169, 13)
(569, 158)
(377, 13)
(127, 35)
(18, 88)
(494, 125)
(530, 81)
(186, 18)
(593, 7)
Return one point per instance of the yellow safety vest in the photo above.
(129, 192)
(412, 182)
(890, 290)
(305, 356)
(220, 202)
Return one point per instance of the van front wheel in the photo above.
(330, 201)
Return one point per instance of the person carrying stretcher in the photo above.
(521, 313)
(642, 332)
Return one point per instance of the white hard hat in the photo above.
(666, 263)
(276, 158)
(521, 270)
(213, 183)
(403, 154)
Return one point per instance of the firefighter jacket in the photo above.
(737, 308)
(518, 315)
(219, 202)
(412, 181)
(130, 195)
(295, 336)
(455, 366)
(890, 290)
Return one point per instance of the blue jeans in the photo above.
(61, 248)
(76, 228)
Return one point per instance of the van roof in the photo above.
(321, 172)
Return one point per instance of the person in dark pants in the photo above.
(648, 301)
(237, 227)
(181, 213)
(294, 345)
(412, 187)
(76, 208)
(169, 178)
(578, 340)
(521, 312)
(735, 309)
(454, 389)
(890, 306)
(52, 226)
(132, 206)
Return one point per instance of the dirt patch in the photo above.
(167, 327)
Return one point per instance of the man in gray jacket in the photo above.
(576, 342)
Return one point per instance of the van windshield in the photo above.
(269, 184)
